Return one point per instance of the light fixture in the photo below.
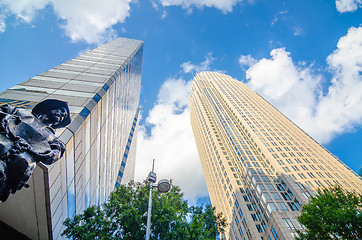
(163, 186)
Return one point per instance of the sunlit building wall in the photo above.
(102, 88)
(258, 165)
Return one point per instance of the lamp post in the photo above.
(163, 186)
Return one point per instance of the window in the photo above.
(256, 179)
(286, 196)
(295, 168)
(280, 162)
(297, 160)
(297, 223)
(309, 184)
(320, 174)
(282, 207)
(270, 187)
(260, 188)
(234, 195)
(304, 167)
(259, 228)
(276, 196)
(311, 175)
(237, 220)
(240, 213)
(271, 207)
(329, 175)
(249, 207)
(288, 223)
(292, 206)
(265, 179)
(241, 231)
(319, 183)
(274, 232)
(266, 197)
(328, 182)
(301, 175)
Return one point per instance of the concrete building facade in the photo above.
(102, 88)
(258, 165)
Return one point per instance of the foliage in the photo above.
(332, 214)
(360, 172)
(124, 216)
(204, 224)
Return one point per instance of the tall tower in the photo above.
(259, 166)
(102, 88)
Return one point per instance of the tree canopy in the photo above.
(332, 214)
(124, 216)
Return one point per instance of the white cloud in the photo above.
(171, 142)
(246, 60)
(23, 9)
(348, 5)
(296, 90)
(91, 20)
(188, 67)
(2, 24)
(224, 5)
(297, 31)
(154, 5)
(84, 20)
(164, 14)
(279, 16)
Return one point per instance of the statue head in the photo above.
(53, 113)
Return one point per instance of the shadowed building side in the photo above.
(126, 171)
(259, 166)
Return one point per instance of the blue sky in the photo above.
(305, 57)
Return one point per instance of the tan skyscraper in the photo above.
(258, 165)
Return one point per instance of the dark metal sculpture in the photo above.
(28, 137)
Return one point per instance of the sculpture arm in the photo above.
(56, 152)
(8, 109)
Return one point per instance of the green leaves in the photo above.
(204, 224)
(124, 216)
(332, 214)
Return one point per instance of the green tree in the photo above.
(360, 172)
(332, 214)
(124, 216)
(204, 224)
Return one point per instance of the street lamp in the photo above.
(163, 186)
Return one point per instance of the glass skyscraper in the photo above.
(102, 88)
(258, 165)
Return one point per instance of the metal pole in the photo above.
(151, 180)
(149, 213)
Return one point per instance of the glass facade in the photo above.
(126, 171)
(259, 166)
(102, 88)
